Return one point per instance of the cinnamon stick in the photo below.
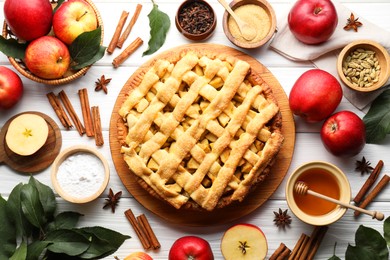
(59, 110)
(281, 253)
(141, 235)
(299, 246)
(122, 20)
(307, 246)
(316, 242)
(144, 223)
(369, 182)
(86, 111)
(376, 190)
(127, 31)
(127, 52)
(72, 113)
(99, 141)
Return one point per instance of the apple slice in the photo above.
(138, 256)
(244, 241)
(26, 134)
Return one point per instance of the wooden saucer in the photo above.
(38, 161)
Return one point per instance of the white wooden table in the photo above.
(308, 144)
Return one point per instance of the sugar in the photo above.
(81, 174)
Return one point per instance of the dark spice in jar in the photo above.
(196, 18)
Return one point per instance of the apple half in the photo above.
(26, 134)
(244, 241)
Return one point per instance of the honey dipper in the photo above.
(301, 188)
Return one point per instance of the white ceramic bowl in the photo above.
(65, 189)
(333, 215)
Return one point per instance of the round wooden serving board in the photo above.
(236, 210)
(38, 161)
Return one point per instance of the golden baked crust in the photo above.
(202, 131)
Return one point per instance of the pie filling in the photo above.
(199, 131)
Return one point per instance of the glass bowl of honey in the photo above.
(324, 178)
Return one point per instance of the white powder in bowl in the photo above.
(81, 174)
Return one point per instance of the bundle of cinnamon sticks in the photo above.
(119, 38)
(364, 197)
(143, 230)
(91, 116)
(305, 248)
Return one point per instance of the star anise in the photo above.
(102, 84)
(113, 200)
(363, 166)
(352, 23)
(282, 218)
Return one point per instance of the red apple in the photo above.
(313, 21)
(191, 247)
(138, 256)
(47, 57)
(344, 134)
(28, 19)
(11, 88)
(315, 95)
(72, 19)
(244, 241)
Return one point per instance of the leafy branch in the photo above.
(369, 244)
(29, 228)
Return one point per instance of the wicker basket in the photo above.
(72, 75)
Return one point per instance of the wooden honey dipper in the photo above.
(301, 188)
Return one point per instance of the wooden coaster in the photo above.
(38, 161)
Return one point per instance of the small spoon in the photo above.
(301, 188)
(247, 31)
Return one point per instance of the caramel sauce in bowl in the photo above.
(324, 178)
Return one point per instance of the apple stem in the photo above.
(334, 127)
(317, 10)
(82, 15)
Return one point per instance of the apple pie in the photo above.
(201, 131)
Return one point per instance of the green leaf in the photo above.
(59, 3)
(386, 230)
(31, 206)
(159, 24)
(12, 48)
(94, 59)
(64, 220)
(104, 242)
(35, 249)
(369, 245)
(14, 208)
(7, 231)
(21, 252)
(98, 248)
(115, 238)
(46, 196)
(67, 241)
(377, 119)
(85, 48)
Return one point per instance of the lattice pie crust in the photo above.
(202, 131)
